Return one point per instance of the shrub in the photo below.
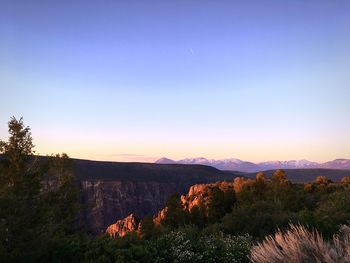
(188, 245)
(301, 245)
(225, 248)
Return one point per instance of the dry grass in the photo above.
(298, 244)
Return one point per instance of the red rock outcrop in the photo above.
(124, 226)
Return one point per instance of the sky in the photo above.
(139, 80)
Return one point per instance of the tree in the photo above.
(345, 180)
(322, 180)
(20, 145)
(216, 207)
(147, 227)
(59, 196)
(38, 198)
(279, 177)
(197, 215)
(175, 215)
(229, 200)
(19, 189)
(260, 176)
(238, 183)
(260, 185)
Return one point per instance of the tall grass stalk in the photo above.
(299, 244)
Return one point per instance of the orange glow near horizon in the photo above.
(145, 150)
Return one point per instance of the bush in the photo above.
(188, 245)
(299, 244)
(225, 248)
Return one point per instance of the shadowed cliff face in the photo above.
(107, 201)
(197, 195)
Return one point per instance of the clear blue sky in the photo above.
(138, 80)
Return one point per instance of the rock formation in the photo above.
(124, 226)
(198, 195)
(107, 200)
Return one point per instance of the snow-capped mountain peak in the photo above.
(245, 166)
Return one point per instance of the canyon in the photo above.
(110, 191)
(198, 195)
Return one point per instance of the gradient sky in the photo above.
(138, 80)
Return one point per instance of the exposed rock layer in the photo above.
(198, 195)
(110, 200)
(124, 226)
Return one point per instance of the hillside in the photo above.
(100, 170)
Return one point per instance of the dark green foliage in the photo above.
(261, 208)
(189, 244)
(38, 201)
(175, 214)
(185, 244)
(216, 207)
(197, 216)
(147, 227)
(95, 249)
(229, 200)
(258, 219)
(19, 191)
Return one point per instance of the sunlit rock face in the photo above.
(160, 216)
(200, 194)
(124, 226)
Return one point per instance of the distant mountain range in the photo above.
(245, 166)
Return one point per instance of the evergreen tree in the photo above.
(216, 207)
(229, 200)
(197, 216)
(19, 190)
(175, 214)
(38, 199)
(147, 227)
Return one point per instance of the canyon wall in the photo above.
(107, 201)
